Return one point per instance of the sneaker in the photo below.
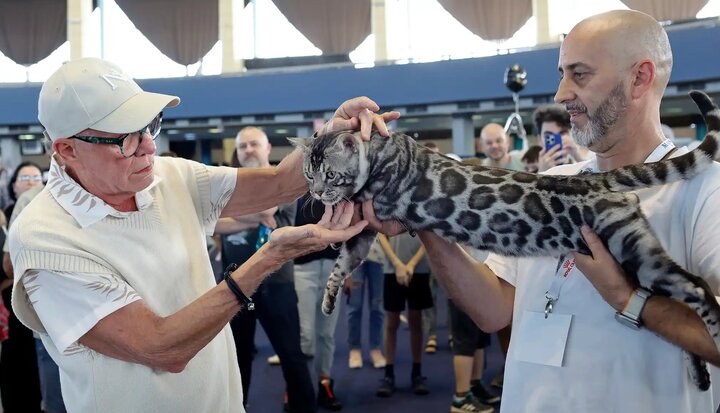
(431, 345)
(274, 360)
(419, 387)
(355, 360)
(387, 387)
(469, 403)
(483, 394)
(378, 359)
(326, 395)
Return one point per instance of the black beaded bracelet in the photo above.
(241, 297)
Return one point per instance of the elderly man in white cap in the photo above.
(110, 260)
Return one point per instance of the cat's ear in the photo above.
(302, 143)
(348, 142)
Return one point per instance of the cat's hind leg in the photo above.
(352, 253)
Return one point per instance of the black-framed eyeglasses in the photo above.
(129, 142)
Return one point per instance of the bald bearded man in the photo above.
(614, 68)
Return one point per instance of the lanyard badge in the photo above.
(564, 267)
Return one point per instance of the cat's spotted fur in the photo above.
(512, 213)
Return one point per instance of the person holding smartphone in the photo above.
(553, 125)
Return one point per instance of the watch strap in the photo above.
(633, 308)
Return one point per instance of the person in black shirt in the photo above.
(275, 299)
(317, 331)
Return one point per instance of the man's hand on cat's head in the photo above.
(365, 211)
(359, 113)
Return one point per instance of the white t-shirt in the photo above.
(608, 367)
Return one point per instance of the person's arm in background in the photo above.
(257, 189)
(401, 271)
(232, 225)
(472, 285)
(415, 260)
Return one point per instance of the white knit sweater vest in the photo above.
(161, 252)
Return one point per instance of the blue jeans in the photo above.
(317, 331)
(369, 274)
(52, 400)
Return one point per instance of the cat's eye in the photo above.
(330, 175)
(309, 176)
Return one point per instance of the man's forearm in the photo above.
(417, 257)
(136, 334)
(680, 325)
(472, 286)
(258, 189)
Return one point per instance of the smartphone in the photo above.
(552, 140)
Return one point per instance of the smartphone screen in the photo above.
(551, 140)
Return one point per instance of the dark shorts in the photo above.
(467, 336)
(417, 294)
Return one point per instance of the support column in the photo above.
(230, 62)
(378, 20)
(541, 11)
(78, 25)
(463, 135)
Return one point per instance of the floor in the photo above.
(356, 388)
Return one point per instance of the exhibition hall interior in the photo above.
(499, 90)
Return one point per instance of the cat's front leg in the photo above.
(352, 253)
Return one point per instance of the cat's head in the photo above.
(335, 165)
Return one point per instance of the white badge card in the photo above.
(542, 340)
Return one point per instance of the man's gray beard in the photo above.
(250, 163)
(607, 114)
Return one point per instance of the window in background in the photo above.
(417, 30)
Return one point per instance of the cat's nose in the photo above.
(318, 193)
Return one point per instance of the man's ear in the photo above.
(643, 78)
(302, 143)
(65, 149)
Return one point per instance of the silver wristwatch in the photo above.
(630, 316)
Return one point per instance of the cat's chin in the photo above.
(330, 203)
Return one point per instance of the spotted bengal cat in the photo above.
(511, 213)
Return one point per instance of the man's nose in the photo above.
(564, 92)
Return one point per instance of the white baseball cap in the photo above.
(91, 93)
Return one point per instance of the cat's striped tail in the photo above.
(673, 169)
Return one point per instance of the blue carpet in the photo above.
(356, 388)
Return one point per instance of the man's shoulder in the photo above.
(567, 169)
(708, 181)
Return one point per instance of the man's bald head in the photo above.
(494, 141)
(627, 36)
